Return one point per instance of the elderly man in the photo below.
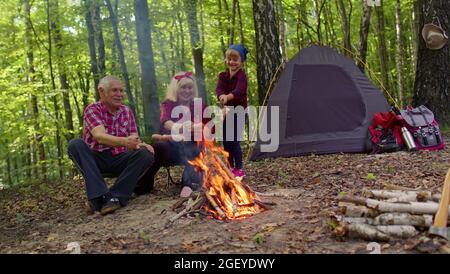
(111, 145)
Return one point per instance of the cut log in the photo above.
(361, 231)
(404, 219)
(402, 195)
(409, 207)
(352, 210)
(375, 233)
(398, 231)
(355, 220)
(395, 187)
(423, 221)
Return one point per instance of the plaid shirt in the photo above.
(236, 85)
(121, 124)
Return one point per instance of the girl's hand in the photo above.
(223, 99)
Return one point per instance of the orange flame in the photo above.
(232, 197)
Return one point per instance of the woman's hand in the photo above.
(148, 147)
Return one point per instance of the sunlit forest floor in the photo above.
(45, 218)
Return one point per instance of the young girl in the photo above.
(231, 90)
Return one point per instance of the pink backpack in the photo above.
(423, 127)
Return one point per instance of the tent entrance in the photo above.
(322, 99)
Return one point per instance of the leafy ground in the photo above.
(44, 218)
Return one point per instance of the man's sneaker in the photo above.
(111, 205)
(94, 205)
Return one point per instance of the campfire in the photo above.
(222, 196)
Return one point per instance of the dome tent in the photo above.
(326, 105)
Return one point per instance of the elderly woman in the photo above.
(177, 118)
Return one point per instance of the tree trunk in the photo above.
(182, 56)
(432, 85)
(233, 22)
(364, 35)
(240, 25)
(382, 49)
(8, 163)
(100, 41)
(92, 51)
(345, 26)
(222, 42)
(282, 29)
(54, 97)
(123, 65)
(161, 43)
(28, 156)
(268, 56)
(62, 73)
(202, 25)
(146, 61)
(197, 51)
(400, 52)
(172, 51)
(34, 102)
(226, 12)
(317, 11)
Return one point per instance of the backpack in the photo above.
(423, 127)
(384, 134)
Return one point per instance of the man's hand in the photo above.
(148, 147)
(132, 142)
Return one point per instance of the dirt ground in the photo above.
(45, 218)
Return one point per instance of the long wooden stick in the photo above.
(440, 220)
(233, 200)
(188, 207)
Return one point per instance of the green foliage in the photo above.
(258, 238)
(19, 160)
(371, 177)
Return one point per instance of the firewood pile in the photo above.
(383, 215)
(203, 204)
(222, 196)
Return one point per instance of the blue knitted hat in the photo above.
(241, 49)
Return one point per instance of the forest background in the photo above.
(53, 53)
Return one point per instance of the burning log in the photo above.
(222, 195)
(214, 204)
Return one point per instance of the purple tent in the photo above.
(326, 104)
